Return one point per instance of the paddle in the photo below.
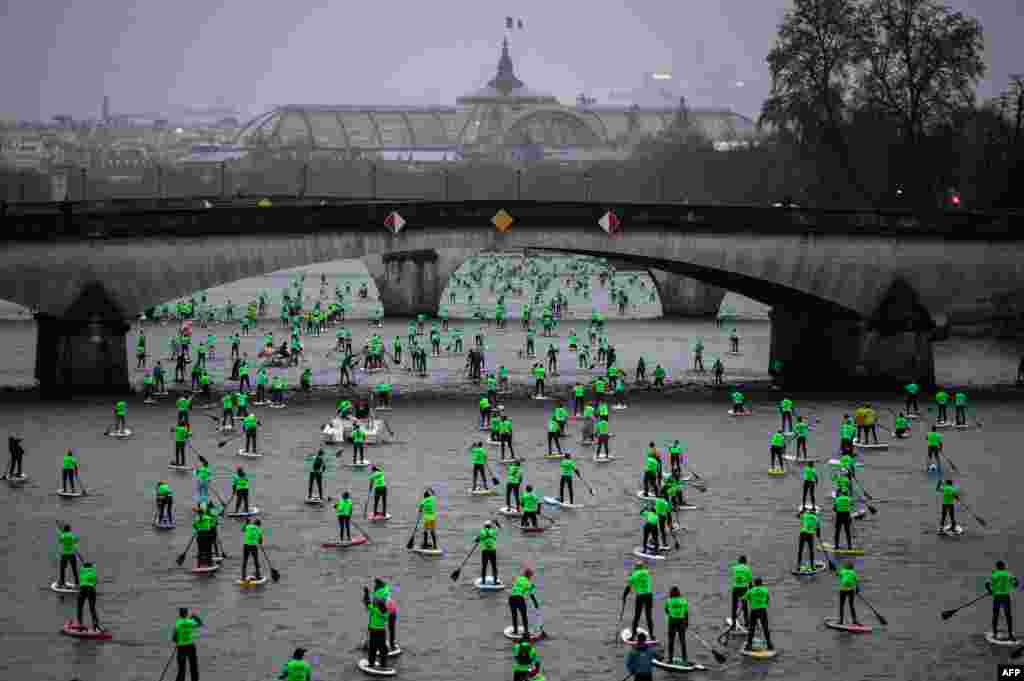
(167, 666)
(224, 442)
(412, 537)
(455, 573)
(361, 531)
(494, 480)
(366, 504)
(274, 574)
(1017, 653)
(975, 515)
(871, 508)
(672, 529)
(946, 614)
(81, 484)
(831, 565)
(950, 462)
(719, 657)
(181, 559)
(881, 620)
(622, 613)
(589, 488)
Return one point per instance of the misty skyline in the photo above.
(158, 57)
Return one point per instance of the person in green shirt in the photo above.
(677, 617)
(69, 472)
(538, 375)
(778, 448)
(164, 502)
(941, 401)
(87, 594)
(901, 427)
(521, 588)
(358, 436)
(227, 420)
(262, 379)
(343, 508)
(316, 476)
(297, 669)
(950, 495)
(485, 411)
(650, 532)
(513, 478)
(934, 445)
(1001, 585)
(578, 393)
(842, 506)
(911, 406)
(847, 432)
(68, 554)
(505, 438)
(659, 378)
(203, 479)
(562, 417)
(640, 582)
(801, 429)
(810, 477)
(120, 414)
(526, 662)
(488, 542)
(757, 597)
(663, 509)
(478, 457)
(184, 405)
(848, 588)
(428, 511)
(531, 507)
(182, 433)
(603, 437)
(738, 406)
(184, 640)
(252, 533)
(380, 491)
(249, 425)
(554, 437)
(568, 466)
(810, 527)
(960, 407)
(240, 490)
(786, 410)
(742, 576)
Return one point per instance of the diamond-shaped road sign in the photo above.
(610, 223)
(502, 220)
(394, 222)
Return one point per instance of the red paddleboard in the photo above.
(532, 530)
(71, 628)
(205, 570)
(833, 623)
(343, 544)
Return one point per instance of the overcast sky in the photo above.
(150, 56)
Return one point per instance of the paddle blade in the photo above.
(275, 575)
(981, 522)
(408, 544)
(1017, 653)
(495, 482)
(455, 574)
(946, 614)
(221, 444)
(180, 560)
(882, 620)
(873, 510)
(719, 657)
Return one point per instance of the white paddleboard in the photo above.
(361, 464)
(1000, 640)
(947, 532)
(489, 585)
(647, 497)
(619, 407)
(120, 434)
(180, 469)
(68, 588)
(819, 566)
(687, 507)
(344, 544)
(378, 518)
(69, 495)
(553, 501)
(164, 525)
(253, 582)
(244, 514)
(808, 507)
(873, 445)
(742, 413)
(677, 666)
(205, 570)
(314, 501)
(505, 510)
(759, 653)
(627, 632)
(17, 479)
(250, 455)
(603, 459)
(277, 405)
(509, 461)
(833, 623)
(482, 492)
(535, 635)
(364, 665)
(639, 553)
(427, 552)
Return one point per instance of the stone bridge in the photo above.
(854, 295)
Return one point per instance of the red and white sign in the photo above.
(394, 222)
(610, 223)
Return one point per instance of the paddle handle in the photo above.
(168, 665)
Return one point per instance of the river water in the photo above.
(449, 630)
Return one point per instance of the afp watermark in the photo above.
(1011, 671)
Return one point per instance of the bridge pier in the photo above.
(683, 296)
(83, 351)
(411, 282)
(817, 348)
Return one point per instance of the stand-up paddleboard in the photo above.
(492, 443)
(557, 456)
(734, 354)
(120, 434)
(384, 408)
(505, 510)
(218, 559)
(676, 665)
(252, 581)
(427, 552)
(1000, 639)
(254, 511)
(776, 471)
(71, 628)
(378, 517)
(739, 630)
(686, 507)
(261, 403)
(164, 525)
(277, 405)
(627, 633)
(364, 665)
(68, 588)
(833, 623)
(813, 508)
(948, 531)
(69, 495)
(793, 457)
(961, 426)
(603, 459)
(535, 635)
(836, 463)
(913, 416)
(17, 479)
(250, 455)
(738, 413)
(162, 393)
(359, 464)
(942, 425)
(179, 469)
(530, 529)
(808, 571)
(619, 407)
(553, 501)
(873, 445)
(841, 552)
(541, 397)
(343, 544)
(314, 501)
(149, 400)
(639, 552)
(489, 585)
(506, 462)
(646, 497)
(759, 651)
(484, 492)
(205, 569)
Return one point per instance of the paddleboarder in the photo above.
(1001, 584)
(252, 538)
(297, 669)
(250, 424)
(182, 434)
(640, 660)
(950, 496)
(960, 408)
(377, 628)
(69, 472)
(569, 469)
(316, 476)
(554, 436)
(640, 582)
(675, 455)
(525, 661)
(203, 526)
(478, 456)
(778, 448)
(87, 594)
(120, 416)
(742, 576)
(382, 591)
(358, 443)
(68, 555)
(203, 479)
(185, 630)
(164, 502)
(757, 597)
(603, 437)
(485, 411)
(810, 527)
(227, 419)
(942, 402)
(663, 507)
(934, 445)
(677, 617)
(343, 508)
(488, 541)
(240, 490)
(521, 588)
(650, 535)
(531, 507)
(428, 509)
(17, 452)
(849, 587)
(738, 400)
(901, 427)
(911, 405)
(786, 411)
(810, 476)
(841, 506)
(380, 490)
(801, 429)
(513, 478)
(652, 471)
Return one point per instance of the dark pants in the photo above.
(540, 387)
(204, 547)
(485, 417)
(801, 446)
(651, 538)
(380, 496)
(261, 392)
(808, 540)
(602, 442)
(67, 480)
(1002, 603)
(318, 479)
(643, 605)
(844, 597)
(787, 420)
(912, 402)
(378, 646)
(485, 558)
(179, 453)
(65, 561)
(949, 509)
(511, 490)
(15, 469)
(87, 594)
(759, 616)
(187, 654)
(506, 439)
(808, 491)
(676, 628)
(555, 439)
(517, 604)
(843, 522)
(250, 440)
(738, 602)
(165, 507)
(663, 523)
(344, 527)
(564, 482)
(529, 519)
(650, 483)
(478, 469)
(777, 454)
(242, 499)
(358, 452)
(253, 552)
(961, 415)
